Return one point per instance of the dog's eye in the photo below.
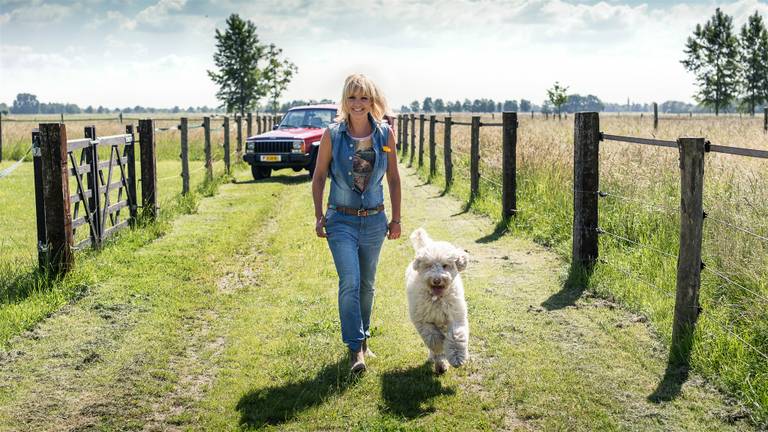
(446, 266)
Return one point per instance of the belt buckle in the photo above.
(362, 212)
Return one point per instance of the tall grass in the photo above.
(640, 215)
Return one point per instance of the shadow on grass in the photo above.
(573, 288)
(278, 405)
(498, 232)
(283, 179)
(405, 391)
(678, 367)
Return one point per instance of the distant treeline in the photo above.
(26, 103)
(574, 103)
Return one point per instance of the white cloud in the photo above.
(158, 15)
(38, 13)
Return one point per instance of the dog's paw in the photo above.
(458, 359)
(440, 367)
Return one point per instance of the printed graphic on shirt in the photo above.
(362, 163)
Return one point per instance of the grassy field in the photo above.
(642, 207)
(234, 327)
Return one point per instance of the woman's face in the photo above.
(359, 105)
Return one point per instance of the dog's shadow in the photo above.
(408, 393)
(281, 404)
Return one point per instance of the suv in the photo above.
(291, 144)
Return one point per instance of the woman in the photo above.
(357, 151)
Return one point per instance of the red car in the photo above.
(293, 143)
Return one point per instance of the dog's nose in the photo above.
(436, 281)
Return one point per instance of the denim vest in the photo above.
(343, 193)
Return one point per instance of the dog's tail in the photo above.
(420, 238)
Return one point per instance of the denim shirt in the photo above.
(343, 193)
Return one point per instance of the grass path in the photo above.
(229, 321)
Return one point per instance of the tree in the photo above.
(404, 109)
(237, 56)
(510, 105)
(712, 56)
(427, 106)
(525, 105)
(753, 47)
(415, 106)
(439, 105)
(276, 75)
(25, 103)
(557, 97)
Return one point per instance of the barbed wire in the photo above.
(645, 246)
(629, 273)
(493, 182)
(732, 282)
(663, 209)
(737, 228)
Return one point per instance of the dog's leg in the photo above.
(434, 340)
(457, 343)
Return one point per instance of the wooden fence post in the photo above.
(1, 137)
(421, 140)
(55, 188)
(208, 161)
(226, 143)
(586, 139)
(130, 153)
(263, 124)
(447, 153)
(37, 164)
(93, 206)
(184, 155)
(249, 125)
(148, 168)
(655, 116)
(405, 137)
(432, 155)
(509, 165)
(413, 140)
(689, 259)
(399, 132)
(239, 145)
(765, 119)
(474, 158)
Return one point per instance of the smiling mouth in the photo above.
(437, 290)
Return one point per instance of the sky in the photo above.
(120, 53)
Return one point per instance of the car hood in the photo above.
(289, 133)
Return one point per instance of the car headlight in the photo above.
(315, 143)
(296, 147)
(249, 147)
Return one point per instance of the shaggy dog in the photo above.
(436, 300)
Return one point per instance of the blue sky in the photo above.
(156, 52)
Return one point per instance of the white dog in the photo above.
(436, 299)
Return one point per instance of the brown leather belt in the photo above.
(359, 212)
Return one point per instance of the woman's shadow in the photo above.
(405, 391)
(281, 404)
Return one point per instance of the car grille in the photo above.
(272, 146)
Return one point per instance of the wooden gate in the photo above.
(101, 172)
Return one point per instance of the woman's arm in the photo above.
(393, 180)
(318, 180)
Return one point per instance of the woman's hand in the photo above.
(320, 227)
(394, 230)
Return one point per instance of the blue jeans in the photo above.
(355, 243)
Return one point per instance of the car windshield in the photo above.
(311, 118)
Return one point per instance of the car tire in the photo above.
(259, 173)
(312, 162)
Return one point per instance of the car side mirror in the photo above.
(275, 127)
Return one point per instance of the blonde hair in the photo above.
(362, 85)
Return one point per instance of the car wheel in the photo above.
(260, 172)
(312, 162)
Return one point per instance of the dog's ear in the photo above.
(420, 238)
(417, 263)
(461, 260)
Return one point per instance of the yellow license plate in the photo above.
(270, 158)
